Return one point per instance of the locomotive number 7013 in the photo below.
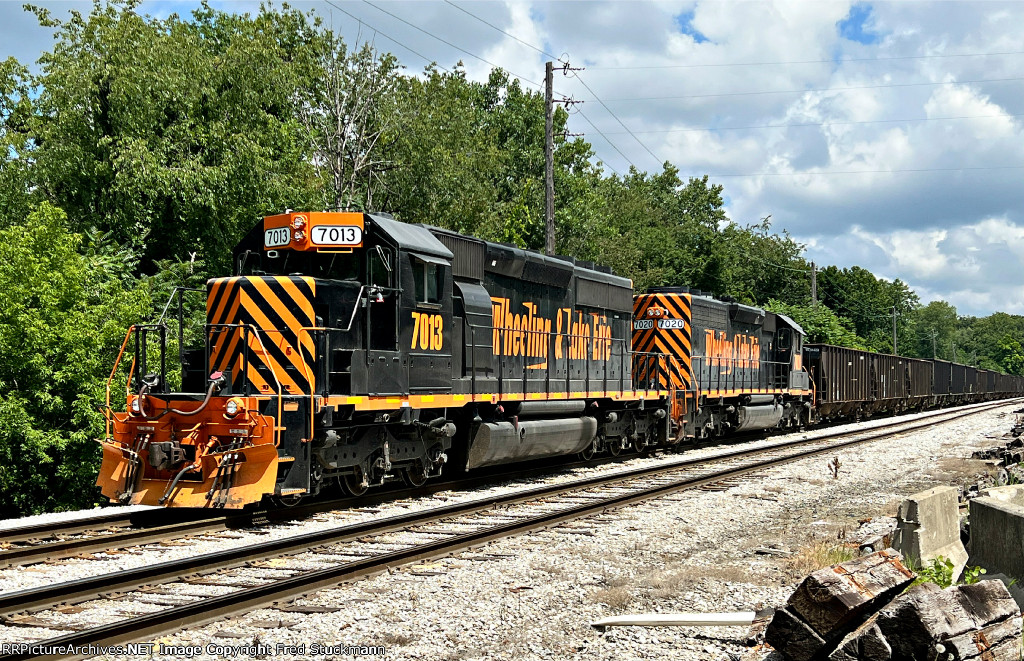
(336, 235)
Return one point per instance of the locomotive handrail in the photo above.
(110, 379)
(551, 337)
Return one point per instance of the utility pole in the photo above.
(954, 352)
(814, 284)
(894, 331)
(935, 352)
(549, 159)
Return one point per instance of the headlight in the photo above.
(136, 408)
(233, 407)
(299, 222)
(299, 235)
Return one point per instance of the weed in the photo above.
(940, 572)
(617, 597)
(818, 555)
(834, 466)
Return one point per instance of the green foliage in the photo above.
(67, 302)
(868, 302)
(15, 113)
(821, 324)
(174, 135)
(940, 572)
(973, 574)
(936, 327)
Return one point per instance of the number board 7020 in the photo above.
(336, 235)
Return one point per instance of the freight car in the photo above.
(851, 383)
(354, 349)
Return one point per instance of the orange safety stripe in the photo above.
(282, 376)
(304, 303)
(224, 355)
(282, 311)
(252, 307)
(365, 403)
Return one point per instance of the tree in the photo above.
(868, 301)
(935, 326)
(67, 302)
(767, 265)
(821, 324)
(15, 113)
(351, 118)
(659, 231)
(175, 135)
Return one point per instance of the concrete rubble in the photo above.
(929, 528)
(862, 609)
(997, 535)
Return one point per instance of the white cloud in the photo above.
(947, 225)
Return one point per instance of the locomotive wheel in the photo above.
(588, 453)
(289, 501)
(614, 447)
(352, 484)
(414, 475)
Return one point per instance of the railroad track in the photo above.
(326, 558)
(53, 541)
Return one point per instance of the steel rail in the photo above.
(84, 589)
(211, 609)
(150, 525)
(144, 531)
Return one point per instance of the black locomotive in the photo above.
(353, 348)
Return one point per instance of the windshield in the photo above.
(327, 265)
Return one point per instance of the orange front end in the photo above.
(184, 454)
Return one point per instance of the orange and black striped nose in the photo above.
(258, 325)
(662, 324)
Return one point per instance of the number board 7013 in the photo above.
(347, 236)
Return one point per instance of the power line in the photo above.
(842, 61)
(813, 89)
(444, 41)
(549, 55)
(898, 170)
(778, 266)
(819, 124)
(467, 12)
(605, 106)
(606, 139)
(386, 36)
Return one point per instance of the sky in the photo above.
(886, 135)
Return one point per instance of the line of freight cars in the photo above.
(855, 383)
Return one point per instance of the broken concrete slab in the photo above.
(929, 527)
(997, 533)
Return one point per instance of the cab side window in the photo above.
(428, 283)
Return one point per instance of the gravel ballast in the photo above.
(534, 596)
